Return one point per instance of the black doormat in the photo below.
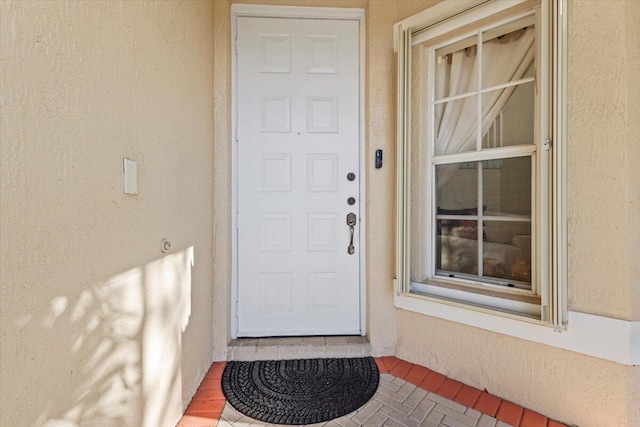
(304, 391)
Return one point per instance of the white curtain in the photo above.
(503, 61)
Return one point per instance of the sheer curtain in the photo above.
(504, 59)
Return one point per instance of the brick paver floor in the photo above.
(408, 395)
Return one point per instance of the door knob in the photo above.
(351, 222)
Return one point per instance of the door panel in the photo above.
(298, 138)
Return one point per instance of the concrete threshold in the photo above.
(286, 348)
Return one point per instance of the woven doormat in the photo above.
(303, 391)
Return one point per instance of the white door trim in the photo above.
(241, 10)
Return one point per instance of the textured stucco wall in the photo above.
(98, 326)
(380, 233)
(380, 110)
(604, 188)
(222, 179)
(604, 154)
(632, 39)
(407, 8)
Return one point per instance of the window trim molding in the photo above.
(431, 16)
(557, 314)
(421, 23)
(559, 122)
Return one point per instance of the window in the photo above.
(480, 215)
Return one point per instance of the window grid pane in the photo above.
(476, 243)
(511, 48)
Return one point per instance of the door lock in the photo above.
(351, 222)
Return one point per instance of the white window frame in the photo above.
(551, 275)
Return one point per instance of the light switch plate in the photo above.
(130, 176)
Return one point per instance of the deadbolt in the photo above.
(351, 176)
(351, 201)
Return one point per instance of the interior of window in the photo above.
(473, 159)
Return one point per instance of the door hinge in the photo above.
(237, 221)
(237, 308)
(235, 44)
(236, 133)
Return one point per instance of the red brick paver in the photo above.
(510, 413)
(488, 404)
(467, 396)
(197, 421)
(449, 388)
(216, 370)
(432, 381)
(390, 362)
(553, 423)
(416, 374)
(381, 367)
(211, 384)
(401, 369)
(207, 404)
(533, 419)
(208, 407)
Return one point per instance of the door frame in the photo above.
(262, 11)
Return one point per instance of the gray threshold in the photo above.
(248, 349)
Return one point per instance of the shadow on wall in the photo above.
(126, 335)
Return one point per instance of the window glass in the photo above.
(507, 252)
(457, 188)
(514, 122)
(457, 248)
(504, 245)
(506, 188)
(456, 126)
(455, 68)
(507, 52)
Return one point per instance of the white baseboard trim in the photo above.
(598, 336)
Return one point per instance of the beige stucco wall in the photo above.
(632, 125)
(604, 157)
(222, 178)
(604, 188)
(98, 326)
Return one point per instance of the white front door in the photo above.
(298, 166)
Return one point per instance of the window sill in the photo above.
(498, 291)
(598, 336)
(512, 303)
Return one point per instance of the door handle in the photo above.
(351, 222)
